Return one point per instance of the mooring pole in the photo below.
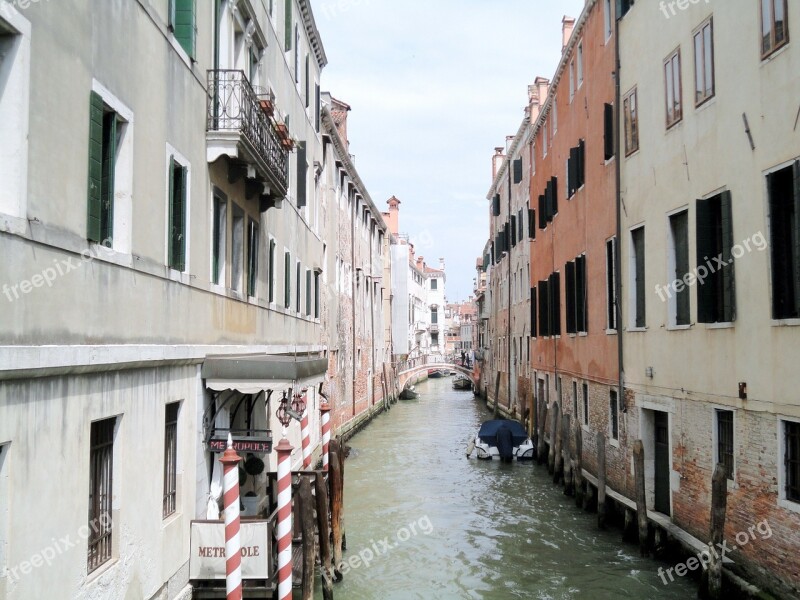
(325, 411)
(284, 526)
(233, 545)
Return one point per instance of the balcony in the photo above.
(434, 328)
(239, 128)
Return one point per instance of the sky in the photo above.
(435, 86)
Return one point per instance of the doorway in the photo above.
(662, 462)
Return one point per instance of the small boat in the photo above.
(503, 439)
(409, 393)
(435, 373)
(462, 383)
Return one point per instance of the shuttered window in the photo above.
(544, 309)
(298, 288)
(555, 303)
(520, 225)
(496, 205)
(517, 170)
(302, 174)
(784, 209)
(614, 414)
(791, 460)
(581, 296)
(611, 283)
(531, 223)
(102, 163)
(716, 293)
(679, 226)
(534, 324)
(287, 280)
(542, 212)
(513, 230)
(271, 273)
(287, 13)
(639, 305)
(585, 404)
(608, 131)
(569, 285)
(219, 241)
(309, 292)
(183, 22)
(253, 243)
(316, 294)
(178, 176)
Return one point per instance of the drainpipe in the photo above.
(372, 321)
(508, 317)
(353, 291)
(618, 254)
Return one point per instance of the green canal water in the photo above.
(425, 522)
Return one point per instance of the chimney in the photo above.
(543, 85)
(339, 112)
(441, 264)
(567, 25)
(393, 216)
(509, 141)
(497, 160)
(421, 263)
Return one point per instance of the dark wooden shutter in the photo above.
(317, 107)
(728, 274)
(555, 304)
(544, 313)
(287, 280)
(271, 274)
(581, 168)
(308, 81)
(638, 249)
(288, 25)
(518, 170)
(185, 25)
(611, 274)
(95, 167)
(506, 238)
(569, 283)
(706, 251)
(107, 178)
(681, 232)
(513, 230)
(520, 224)
(531, 223)
(177, 218)
(608, 131)
(572, 172)
(496, 205)
(534, 324)
(796, 237)
(581, 298)
(542, 212)
(548, 200)
(554, 181)
(302, 174)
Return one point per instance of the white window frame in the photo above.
(171, 152)
(632, 279)
(580, 64)
(608, 21)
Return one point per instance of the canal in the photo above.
(425, 522)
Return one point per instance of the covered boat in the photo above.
(462, 383)
(503, 439)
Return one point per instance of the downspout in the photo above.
(508, 317)
(353, 292)
(217, 21)
(618, 175)
(372, 322)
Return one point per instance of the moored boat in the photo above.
(502, 438)
(409, 393)
(462, 383)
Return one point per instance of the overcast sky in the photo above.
(434, 86)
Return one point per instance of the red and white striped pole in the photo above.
(306, 435)
(233, 544)
(325, 409)
(284, 532)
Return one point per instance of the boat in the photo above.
(501, 438)
(435, 373)
(462, 383)
(409, 393)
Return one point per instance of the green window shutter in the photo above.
(288, 25)
(496, 205)
(548, 200)
(107, 178)
(317, 107)
(728, 274)
(95, 167)
(271, 274)
(308, 81)
(638, 247)
(172, 215)
(302, 175)
(185, 24)
(287, 280)
(706, 251)
(518, 170)
(299, 289)
(308, 293)
(569, 283)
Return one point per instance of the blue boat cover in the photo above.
(488, 431)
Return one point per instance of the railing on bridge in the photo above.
(436, 358)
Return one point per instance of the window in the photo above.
(170, 459)
(631, 115)
(608, 19)
(105, 132)
(101, 462)
(544, 138)
(716, 294)
(774, 26)
(219, 239)
(434, 284)
(298, 287)
(554, 118)
(783, 188)
(586, 404)
(614, 414)
(544, 309)
(576, 168)
(237, 249)
(287, 29)
(704, 63)
(316, 294)
(178, 183)
(534, 306)
(302, 175)
(724, 440)
(271, 271)
(791, 460)
(297, 53)
(580, 64)
(287, 280)
(434, 316)
(520, 225)
(637, 271)
(4, 511)
(183, 23)
(679, 267)
(609, 140)
(571, 80)
(575, 288)
(611, 282)
(252, 257)
(308, 81)
(672, 79)
(575, 400)
(554, 287)
(309, 292)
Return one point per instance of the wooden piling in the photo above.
(641, 498)
(551, 456)
(558, 438)
(541, 456)
(566, 453)
(577, 471)
(629, 533)
(306, 501)
(601, 480)
(719, 504)
(589, 498)
(335, 482)
(325, 558)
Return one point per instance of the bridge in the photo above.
(411, 367)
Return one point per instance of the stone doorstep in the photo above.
(663, 521)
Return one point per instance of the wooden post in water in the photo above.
(601, 480)
(541, 456)
(719, 504)
(551, 456)
(629, 532)
(325, 559)
(566, 453)
(309, 542)
(641, 498)
(577, 471)
(558, 438)
(335, 480)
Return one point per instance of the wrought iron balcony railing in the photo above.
(233, 106)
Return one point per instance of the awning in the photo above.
(253, 373)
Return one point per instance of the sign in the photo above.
(207, 560)
(252, 445)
